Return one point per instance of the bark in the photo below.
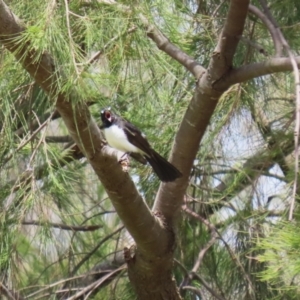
(153, 279)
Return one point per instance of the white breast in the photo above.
(117, 139)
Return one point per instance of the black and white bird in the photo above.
(124, 136)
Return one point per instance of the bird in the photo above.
(124, 136)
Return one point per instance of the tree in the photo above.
(189, 74)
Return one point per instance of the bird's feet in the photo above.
(124, 161)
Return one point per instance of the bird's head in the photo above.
(107, 116)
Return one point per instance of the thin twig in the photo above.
(206, 285)
(214, 14)
(123, 267)
(87, 257)
(63, 226)
(40, 141)
(22, 131)
(96, 284)
(72, 154)
(28, 174)
(201, 254)
(239, 264)
(53, 285)
(70, 37)
(100, 52)
(9, 294)
(58, 139)
(259, 48)
(212, 240)
(206, 247)
(25, 142)
(194, 290)
(232, 254)
(210, 226)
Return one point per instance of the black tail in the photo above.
(164, 170)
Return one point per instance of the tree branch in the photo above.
(164, 44)
(270, 26)
(64, 226)
(90, 288)
(212, 240)
(194, 290)
(146, 230)
(206, 285)
(58, 139)
(88, 256)
(251, 71)
(200, 110)
(97, 272)
(10, 295)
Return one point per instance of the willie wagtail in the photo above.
(124, 136)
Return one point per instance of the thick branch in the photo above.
(251, 71)
(229, 38)
(270, 26)
(200, 110)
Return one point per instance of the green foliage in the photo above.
(281, 255)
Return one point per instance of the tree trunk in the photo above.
(152, 278)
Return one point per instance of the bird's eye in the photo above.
(107, 114)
